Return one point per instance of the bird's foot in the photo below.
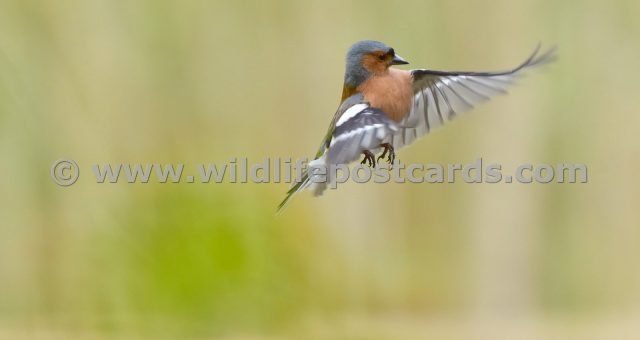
(369, 158)
(387, 148)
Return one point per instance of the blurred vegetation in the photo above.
(204, 81)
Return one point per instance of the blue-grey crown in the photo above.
(355, 73)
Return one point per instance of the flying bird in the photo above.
(384, 108)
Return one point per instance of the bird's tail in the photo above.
(294, 190)
(317, 185)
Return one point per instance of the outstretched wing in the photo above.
(440, 96)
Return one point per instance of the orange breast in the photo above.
(391, 92)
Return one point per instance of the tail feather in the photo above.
(316, 184)
(294, 190)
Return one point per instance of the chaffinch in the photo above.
(387, 108)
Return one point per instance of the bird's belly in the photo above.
(392, 94)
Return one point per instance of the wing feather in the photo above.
(440, 96)
(365, 130)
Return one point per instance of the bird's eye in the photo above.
(382, 57)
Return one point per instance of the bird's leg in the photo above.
(388, 148)
(369, 157)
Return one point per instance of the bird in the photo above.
(384, 108)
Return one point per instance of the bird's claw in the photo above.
(392, 154)
(369, 158)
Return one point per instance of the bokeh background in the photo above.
(204, 81)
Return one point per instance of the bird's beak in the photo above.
(398, 60)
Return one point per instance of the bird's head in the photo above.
(368, 57)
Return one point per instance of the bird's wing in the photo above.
(440, 96)
(356, 127)
(361, 127)
(346, 104)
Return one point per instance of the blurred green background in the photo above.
(203, 81)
